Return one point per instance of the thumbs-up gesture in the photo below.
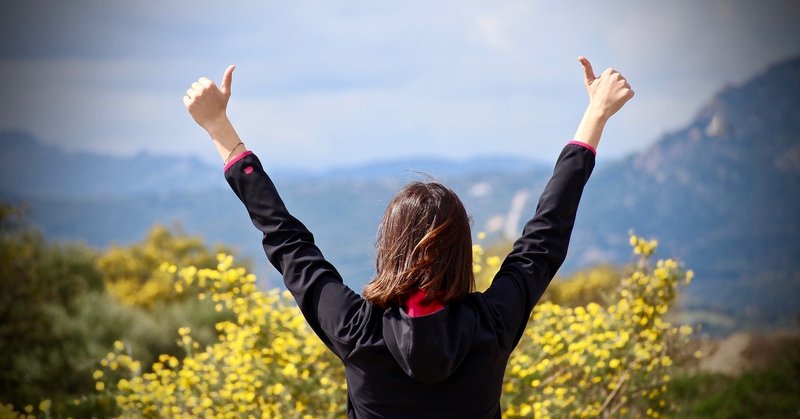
(607, 92)
(206, 102)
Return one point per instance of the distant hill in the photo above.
(78, 175)
(33, 169)
(101, 200)
(721, 194)
(730, 181)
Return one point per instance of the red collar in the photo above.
(415, 307)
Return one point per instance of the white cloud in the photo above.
(345, 82)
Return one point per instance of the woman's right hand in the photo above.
(608, 92)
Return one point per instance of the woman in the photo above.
(419, 342)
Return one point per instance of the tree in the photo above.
(36, 358)
(131, 272)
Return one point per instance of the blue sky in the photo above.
(322, 84)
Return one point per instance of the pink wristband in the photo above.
(235, 159)
(582, 144)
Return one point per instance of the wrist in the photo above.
(591, 127)
(225, 138)
(217, 126)
(596, 114)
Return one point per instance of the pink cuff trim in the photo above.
(582, 144)
(415, 308)
(235, 159)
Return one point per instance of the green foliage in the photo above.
(265, 361)
(131, 272)
(486, 259)
(593, 360)
(772, 391)
(57, 320)
(593, 285)
(583, 361)
(59, 354)
(37, 358)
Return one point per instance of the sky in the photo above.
(321, 84)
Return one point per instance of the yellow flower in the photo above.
(44, 405)
(267, 361)
(493, 261)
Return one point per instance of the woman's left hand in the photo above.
(208, 103)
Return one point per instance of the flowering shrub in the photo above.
(595, 360)
(28, 412)
(592, 360)
(265, 363)
(598, 284)
(131, 273)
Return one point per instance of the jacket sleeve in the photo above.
(331, 308)
(537, 255)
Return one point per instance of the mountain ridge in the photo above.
(81, 174)
(720, 193)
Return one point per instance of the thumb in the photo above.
(588, 73)
(226, 80)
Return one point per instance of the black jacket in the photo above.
(446, 364)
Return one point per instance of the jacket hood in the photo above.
(429, 348)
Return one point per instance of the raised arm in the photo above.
(607, 94)
(208, 105)
(331, 308)
(542, 248)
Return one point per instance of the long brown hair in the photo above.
(424, 242)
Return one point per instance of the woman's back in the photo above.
(446, 358)
(445, 364)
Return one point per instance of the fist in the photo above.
(206, 102)
(608, 92)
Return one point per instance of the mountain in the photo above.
(101, 200)
(79, 175)
(729, 180)
(33, 169)
(720, 194)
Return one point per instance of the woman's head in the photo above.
(424, 242)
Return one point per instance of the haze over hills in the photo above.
(729, 179)
(34, 169)
(721, 194)
(78, 175)
(101, 199)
